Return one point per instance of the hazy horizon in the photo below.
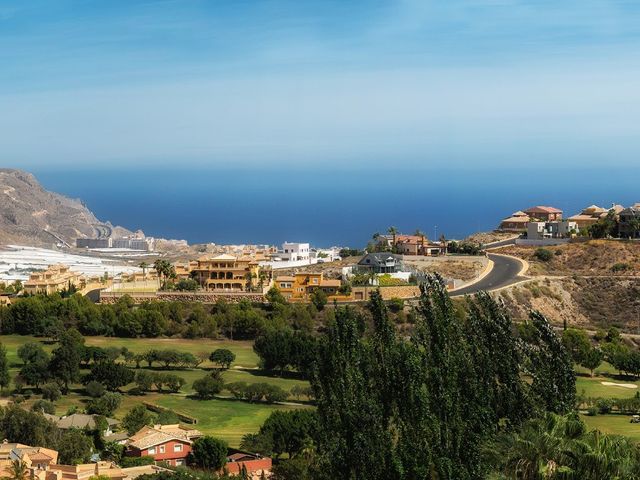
(315, 85)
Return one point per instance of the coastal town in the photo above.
(392, 261)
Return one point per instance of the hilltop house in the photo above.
(410, 244)
(165, 443)
(544, 214)
(629, 224)
(517, 222)
(380, 262)
(590, 215)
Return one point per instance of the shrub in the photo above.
(127, 462)
(44, 406)
(543, 254)
(209, 452)
(105, 405)
(275, 394)
(144, 380)
(620, 267)
(174, 382)
(604, 405)
(222, 357)
(208, 386)
(95, 389)
(51, 391)
(395, 304)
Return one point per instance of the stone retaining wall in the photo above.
(203, 297)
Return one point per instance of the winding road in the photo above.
(506, 271)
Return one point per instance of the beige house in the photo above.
(37, 459)
(55, 279)
(516, 222)
(592, 214)
(226, 273)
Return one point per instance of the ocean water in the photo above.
(330, 206)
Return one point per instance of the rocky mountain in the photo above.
(31, 215)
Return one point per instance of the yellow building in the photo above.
(54, 279)
(301, 285)
(227, 273)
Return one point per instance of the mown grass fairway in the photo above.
(226, 419)
(614, 424)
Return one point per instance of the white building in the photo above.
(294, 252)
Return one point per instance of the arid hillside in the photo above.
(31, 215)
(592, 258)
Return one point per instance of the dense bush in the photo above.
(543, 254)
(208, 386)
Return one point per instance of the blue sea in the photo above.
(330, 206)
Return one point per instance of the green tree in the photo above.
(577, 343)
(136, 418)
(318, 299)
(208, 386)
(51, 391)
(592, 359)
(223, 357)
(209, 453)
(5, 379)
(275, 297)
(44, 406)
(74, 447)
(110, 374)
(65, 361)
(105, 405)
(553, 378)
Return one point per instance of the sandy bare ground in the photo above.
(623, 385)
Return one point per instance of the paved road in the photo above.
(505, 272)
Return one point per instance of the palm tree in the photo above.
(393, 231)
(443, 244)
(144, 266)
(18, 470)
(420, 233)
(559, 447)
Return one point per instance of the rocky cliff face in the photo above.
(31, 215)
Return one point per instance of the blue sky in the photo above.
(319, 84)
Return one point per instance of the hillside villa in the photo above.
(228, 273)
(301, 285)
(411, 244)
(54, 279)
(518, 221)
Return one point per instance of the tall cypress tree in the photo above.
(551, 368)
(4, 367)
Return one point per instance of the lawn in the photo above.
(227, 419)
(613, 424)
(245, 356)
(593, 387)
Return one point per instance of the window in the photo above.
(315, 280)
(177, 447)
(152, 451)
(161, 448)
(179, 462)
